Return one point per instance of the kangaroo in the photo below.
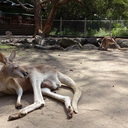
(42, 79)
(106, 41)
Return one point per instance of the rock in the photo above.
(8, 34)
(22, 41)
(50, 41)
(37, 40)
(123, 43)
(5, 41)
(84, 41)
(91, 40)
(66, 42)
(77, 40)
(90, 47)
(73, 47)
(49, 47)
(44, 41)
(30, 40)
(26, 43)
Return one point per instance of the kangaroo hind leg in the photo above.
(65, 99)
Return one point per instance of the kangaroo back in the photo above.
(71, 84)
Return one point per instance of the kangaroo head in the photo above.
(11, 69)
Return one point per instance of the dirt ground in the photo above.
(102, 77)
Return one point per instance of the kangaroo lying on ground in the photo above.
(41, 78)
(106, 41)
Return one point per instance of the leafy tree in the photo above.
(37, 10)
(119, 9)
(95, 9)
(69, 9)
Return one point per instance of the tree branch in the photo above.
(45, 2)
(24, 7)
(62, 1)
(65, 1)
(80, 1)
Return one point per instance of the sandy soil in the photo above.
(102, 77)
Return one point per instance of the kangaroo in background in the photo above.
(106, 41)
(41, 79)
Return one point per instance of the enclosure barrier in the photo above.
(62, 27)
(90, 27)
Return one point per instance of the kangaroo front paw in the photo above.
(18, 106)
(70, 112)
(15, 116)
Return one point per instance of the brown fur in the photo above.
(106, 41)
(40, 79)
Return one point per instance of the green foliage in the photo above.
(102, 32)
(71, 32)
(90, 9)
(67, 32)
(95, 9)
(117, 30)
(5, 47)
(120, 30)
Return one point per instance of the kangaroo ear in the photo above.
(3, 59)
(12, 56)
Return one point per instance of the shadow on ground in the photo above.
(102, 77)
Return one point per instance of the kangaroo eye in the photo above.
(15, 68)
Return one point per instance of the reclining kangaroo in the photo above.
(41, 78)
(106, 41)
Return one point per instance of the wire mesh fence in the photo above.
(98, 28)
(90, 27)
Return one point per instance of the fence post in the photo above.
(110, 27)
(61, 26)
(85, 27)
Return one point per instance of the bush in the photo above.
(119, 30)
(66, 32)
(102, 32)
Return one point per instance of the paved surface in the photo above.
(103, 78)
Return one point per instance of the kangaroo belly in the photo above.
(25, 84)
(9, 91)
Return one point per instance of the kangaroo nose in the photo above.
(25, 74)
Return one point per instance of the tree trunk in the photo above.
(38, 18)
(48, 25)
(37, 10)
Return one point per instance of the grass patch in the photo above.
(6, 47)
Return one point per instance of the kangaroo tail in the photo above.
(71, 84)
